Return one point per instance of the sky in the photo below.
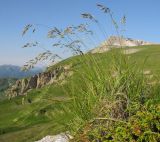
(143, 22)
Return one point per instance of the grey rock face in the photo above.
(44, 78)
(32, 82)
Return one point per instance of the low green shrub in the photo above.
(141, 127)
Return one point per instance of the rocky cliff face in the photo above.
(22, 86)
(115, 41)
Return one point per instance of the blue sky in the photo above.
(143, 21)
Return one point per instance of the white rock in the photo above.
(57, 138)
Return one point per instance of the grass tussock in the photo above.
(112, 103)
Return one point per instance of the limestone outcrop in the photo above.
(62, 137)
(22, 86)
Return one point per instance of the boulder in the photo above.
(63, 137)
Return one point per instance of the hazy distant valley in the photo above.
(12, 71)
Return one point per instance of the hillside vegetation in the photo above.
(83, 102)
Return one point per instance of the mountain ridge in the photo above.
(117, 42)
(14, 71)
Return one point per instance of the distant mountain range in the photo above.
(115, 41)
(12, 71)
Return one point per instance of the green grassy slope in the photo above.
(150, 55)
(31, 121)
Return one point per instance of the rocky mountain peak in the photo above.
(116, 41)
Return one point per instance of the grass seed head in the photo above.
(103, 8)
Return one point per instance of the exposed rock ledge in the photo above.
(21, 87)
